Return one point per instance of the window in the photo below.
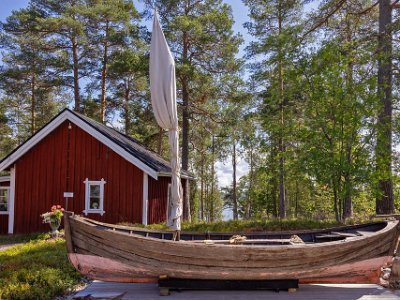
(4, 198)
(94, 196)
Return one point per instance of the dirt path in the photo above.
(6, 246)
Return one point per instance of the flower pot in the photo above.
(54, 225)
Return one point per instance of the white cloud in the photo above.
(225, 171)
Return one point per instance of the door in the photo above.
(4, 208)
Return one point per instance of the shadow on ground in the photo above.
(305, 292)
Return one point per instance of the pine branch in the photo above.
(368, 9)
(322, 21)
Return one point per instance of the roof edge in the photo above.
(67, 114)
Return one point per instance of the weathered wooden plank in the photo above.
(361, 272)
(285, 252)
(252, 241)
(209, 256)
(67, 231)
(187, 259)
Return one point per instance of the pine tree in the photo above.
(63, 28)
(200, 36)
(274, 25)
(108, 25)
(383, 152)
(29, 74)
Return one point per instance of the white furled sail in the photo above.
(163, 100)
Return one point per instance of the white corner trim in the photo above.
(145, 198)
(68, 115)
(11, 201)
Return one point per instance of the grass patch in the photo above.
(20, 238)
(38, 269)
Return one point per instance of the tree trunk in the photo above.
(160, 141)
(348, 205)
(202, 188)
(103, 103)
(348, 201)
(251, 175)
(282, 190)
(339, 197)
(234, 195)
(126, 107)
(33, 103)
(296, 199)
(273, 181)
(77, 97)
(385, 199)
(335, 200)
(212, 181)
(185, 122)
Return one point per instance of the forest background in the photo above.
(309, 103)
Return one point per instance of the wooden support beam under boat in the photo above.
(167, 284)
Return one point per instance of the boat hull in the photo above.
(107, 254)
(105, 269)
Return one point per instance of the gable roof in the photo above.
(126, 146)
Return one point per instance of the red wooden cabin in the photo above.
(112, 176)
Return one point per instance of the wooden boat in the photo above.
(351, 254)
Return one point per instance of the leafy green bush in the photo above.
(38, 269)
(259, 225)
(254, 225)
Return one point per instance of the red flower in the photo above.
(62, 209)
(58, 206)
(53, 207)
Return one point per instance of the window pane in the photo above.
(95, 191)
(3, 204)
(3, 199)
(94, 203)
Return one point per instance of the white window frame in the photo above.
(8, 200)
(89, 210)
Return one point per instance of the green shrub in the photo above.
(38, 269)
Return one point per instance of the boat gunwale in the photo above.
(259, 232)
(390, 225)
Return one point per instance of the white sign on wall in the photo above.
(68, 195)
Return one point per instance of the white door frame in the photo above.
(11, 201)
(10, 204)
(145, 198)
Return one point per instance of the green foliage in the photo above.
(305, 122)
(38, 269)
(28, 79)
(259, 225)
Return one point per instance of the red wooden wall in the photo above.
(158, 198)
(41, 179)
(3, 224)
